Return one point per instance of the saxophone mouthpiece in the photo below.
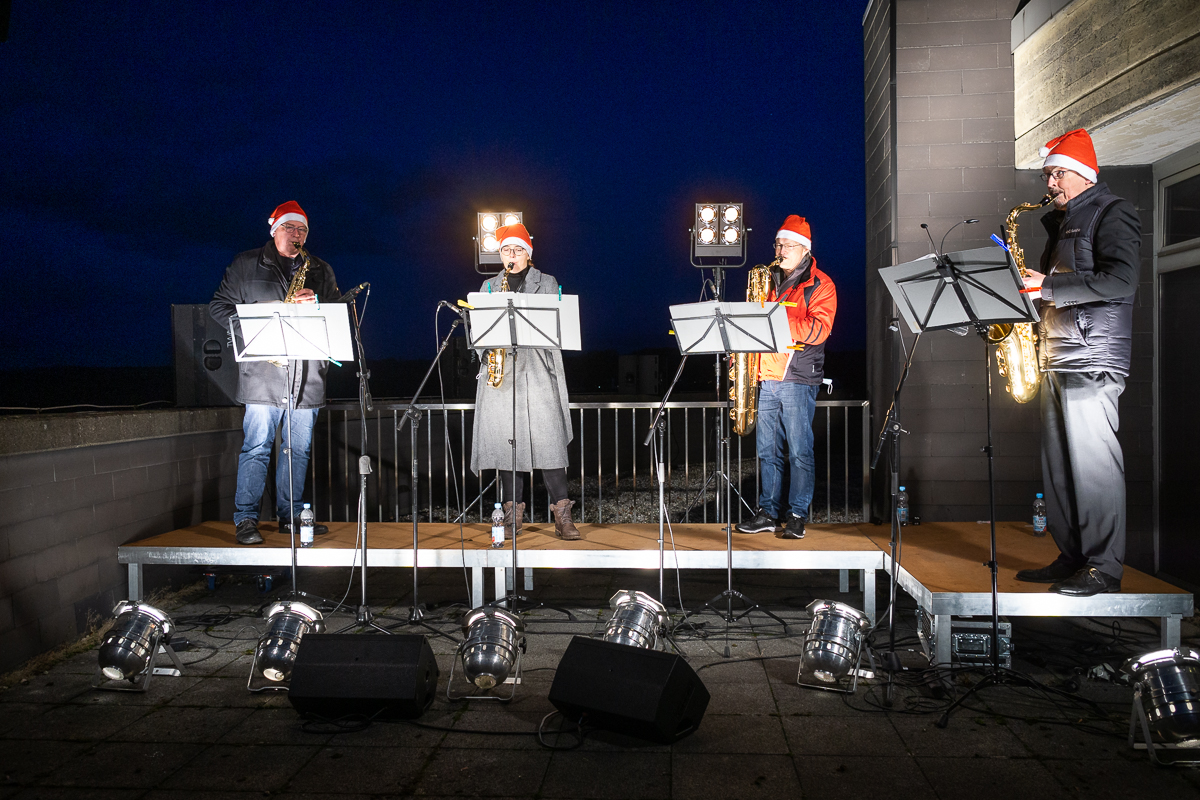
(1049, 198)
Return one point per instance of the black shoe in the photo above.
(318, 528)
(1058, 571)
(1087, 582)
(760, 524)
(247, 532)
(794, 527)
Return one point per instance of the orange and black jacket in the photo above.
(810, 320)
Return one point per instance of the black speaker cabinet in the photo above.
(206, 373)
(631, 690)
(384, 677)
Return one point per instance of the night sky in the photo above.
(144, 145)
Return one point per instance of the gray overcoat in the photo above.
(543, 416)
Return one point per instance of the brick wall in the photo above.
(73, 487)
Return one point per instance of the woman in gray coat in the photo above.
(543, 419)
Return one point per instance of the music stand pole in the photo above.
(657, 432)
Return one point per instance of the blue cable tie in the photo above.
(999, 241)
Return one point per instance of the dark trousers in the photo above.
(1083, 468)
(556, 484)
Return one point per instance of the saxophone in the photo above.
(743, 367)
(293, 288)
(1016, 344)
(495, 358)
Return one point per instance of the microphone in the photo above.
(353, 293)
(448, 305)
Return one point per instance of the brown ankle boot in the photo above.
(508, 517)
(563, 525)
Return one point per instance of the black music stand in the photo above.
(717, 327)
(293, 332)
(985, 288)
(519, 321)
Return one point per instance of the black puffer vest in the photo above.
(1084, 337)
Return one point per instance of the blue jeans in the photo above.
(785, 416)
(259, 427)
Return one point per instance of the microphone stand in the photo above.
(363, 617)
(412, 417)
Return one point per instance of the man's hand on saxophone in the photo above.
(1033, 284)
(305, 296)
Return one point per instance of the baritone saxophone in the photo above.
(743, 367)
(1016, 344)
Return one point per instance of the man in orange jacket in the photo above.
(788, 384)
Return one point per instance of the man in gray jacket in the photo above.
(263, 275)
(1086, 286)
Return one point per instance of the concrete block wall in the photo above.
(73, 487)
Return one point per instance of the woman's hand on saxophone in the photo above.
(1033, 284)
(306, 296)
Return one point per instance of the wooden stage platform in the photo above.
(941, 564)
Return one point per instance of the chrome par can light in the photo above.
(1167, 689)
(493, 641)
(287, 623)
(129, 647)
(834, 640)
(636, 621)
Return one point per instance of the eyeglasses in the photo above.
(787, 248)
(1057, 174)
(290, 228)
(511, 251)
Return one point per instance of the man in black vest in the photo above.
(1086, 286)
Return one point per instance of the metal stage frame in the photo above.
(938, 566)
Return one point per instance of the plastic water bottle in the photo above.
(307, 521)
(1039, 516)
(902, 506)
(498, 526)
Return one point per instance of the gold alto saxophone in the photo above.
(495, 358)
(743, 369)
(294, 287)
(1016, 344)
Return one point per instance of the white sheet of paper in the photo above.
(301, 330)
(695, 331)
(548, 317)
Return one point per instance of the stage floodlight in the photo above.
(492, 646)
(287, 623)
(833, 644)
(487, 246)
(637, 620)
(129, 647)
(1167, 693)
(719, 232)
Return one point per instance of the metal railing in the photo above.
(610, 474)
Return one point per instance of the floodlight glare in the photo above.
(707, 235)
(1167, 691)
(636, 621)
(719, 232)
(708, 214)
(511, 219)
(131, 643)
(488, 223)
(493, 642)
(487, 245)
(490, 244)
(834, 640)
(287, 622)
(731, 235)
(731, 213)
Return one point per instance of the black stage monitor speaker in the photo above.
(383, 677)
(644, 693)
(206, 372)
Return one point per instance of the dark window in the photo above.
(1182, 212)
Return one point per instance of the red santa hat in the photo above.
(1074, 151)
(515, 234)
(796, 228)
(287, 212)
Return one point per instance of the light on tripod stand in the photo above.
(487, 246)
(1167, 692)
(637, 620)
(493, 642)
(287, 622)
(129, 647)
(718, 230)
(834, 640)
